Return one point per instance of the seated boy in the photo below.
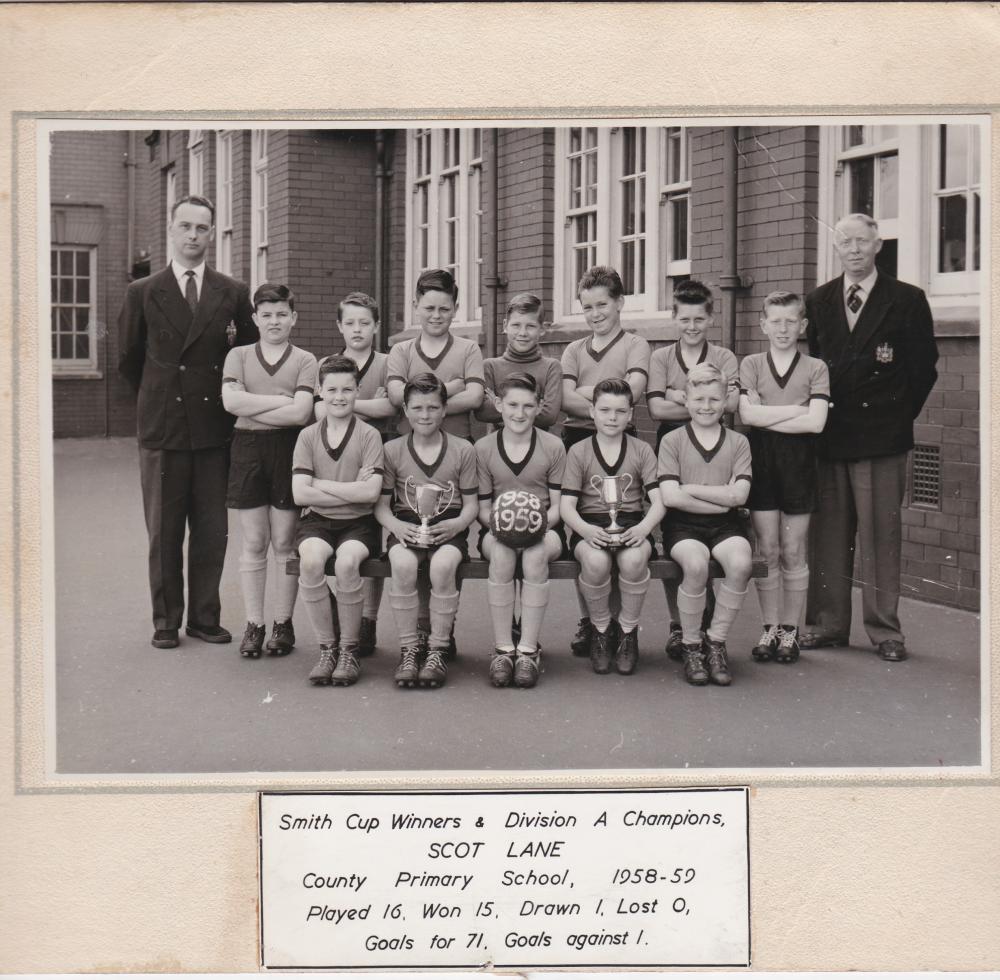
(666, 399)
(268, 387)
(427, 456)
(523, 324)
(357, 321)
(785, 396)
(520, 458)
(704, 472)
(610, 452)
(336, 477)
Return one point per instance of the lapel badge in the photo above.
(231, 333)
(883, 354)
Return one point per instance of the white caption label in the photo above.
(467, 880)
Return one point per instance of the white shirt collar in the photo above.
(866, 284)
(181, 271)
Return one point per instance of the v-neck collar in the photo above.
(429, 468)
(782, 379)
(516, 468)
(363, 368)
(610, 468)
(680, 358)
(272, 369)
(335, 454)
(598, 355)
(706, 454)
(434, 362)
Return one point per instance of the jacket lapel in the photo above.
(873, 312)
(212, 289)
(169, 298)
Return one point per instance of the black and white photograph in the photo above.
(638, 444)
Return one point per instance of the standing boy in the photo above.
(519, 458)
(336, 477)
(704, 473)
(610, 452)
(784, 397)
(666, 398)
(269, 387)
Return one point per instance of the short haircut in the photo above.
(601, 275)
(271, 292)
(437, 281)
(865, 219)
(338, 364)
(782, 297)
(520, 380)
(693, 293)
(202, 202)
(358, 299)
(702, 375)
(614, 386)
(425, 384)
(527, 303)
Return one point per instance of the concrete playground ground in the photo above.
(124, 707)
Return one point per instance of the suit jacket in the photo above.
(880, 373)
(174, 361)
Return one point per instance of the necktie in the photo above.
(853, 299)
(191, 291)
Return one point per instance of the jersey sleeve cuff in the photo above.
(819, 394)
(308, 388)
(667, 477)
(570, 493)
(569, 377)
(655, 394)
(395, 377)
(637, 370)
(745, 476)
(302, 471)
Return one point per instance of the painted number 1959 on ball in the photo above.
(649, 876)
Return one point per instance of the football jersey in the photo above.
(806, 378)
(585, 366)
(371, 377)
(684, 459)
(584, 461)
(455, 466)
(294, 371)
(669, 370)
(546, 371)
(314, 456)
(540, 471)
(459, 358)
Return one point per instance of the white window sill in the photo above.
(75, 374)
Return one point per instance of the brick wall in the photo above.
(396, 316)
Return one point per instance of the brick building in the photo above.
(746, 210)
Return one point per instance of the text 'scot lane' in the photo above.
(464, 879)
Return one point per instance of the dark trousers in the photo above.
(185, 491)
(859, 502)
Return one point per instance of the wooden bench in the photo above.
(479, 568)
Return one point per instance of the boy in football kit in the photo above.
(336, 477)
(268, 387)
(611, 452)
(666, 399)
(427, 455)
(357, 321)
(524, 327)
(705, 473)
(519, 458)
(784, 397)
(609, 352)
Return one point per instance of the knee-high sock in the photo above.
(727, 605)
(633, 596)
(317, 602)
(253, 577)
(373, 598)
(443, 610)
(670, 587)
(690, 609)
(597, 598)
(768, 595)
(615, 599)
(405, 606)
(534, 602)
(501, 599)
(349, 612)
(795, 582)
(287, 588)
(424, 613)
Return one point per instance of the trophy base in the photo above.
(616, 538)
(423, 539)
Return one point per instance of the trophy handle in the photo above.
(625, 488)
(595, 482)
(451, 496)
(407, 483)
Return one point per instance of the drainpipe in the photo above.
(492, 280)
(730, 281)
(381, 176)
(130, 167)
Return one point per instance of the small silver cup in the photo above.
(612, 490)
(428, 501)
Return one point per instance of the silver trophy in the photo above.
(428, 502)
(612, 490)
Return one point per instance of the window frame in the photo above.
(196, 161)
(170, 198)
(75, 367)
(224, 201)
(259, 200)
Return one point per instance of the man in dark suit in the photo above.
(876, 335)
(175, 330)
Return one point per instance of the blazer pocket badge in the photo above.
(884, 354)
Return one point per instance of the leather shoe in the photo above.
(819, 640)
(165, 639)
(892, 650)
(210, 634)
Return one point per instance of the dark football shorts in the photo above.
(709, 529)
(784, 472)
(625, 519)
(260, 468)
(335, 531)
(460, 541)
